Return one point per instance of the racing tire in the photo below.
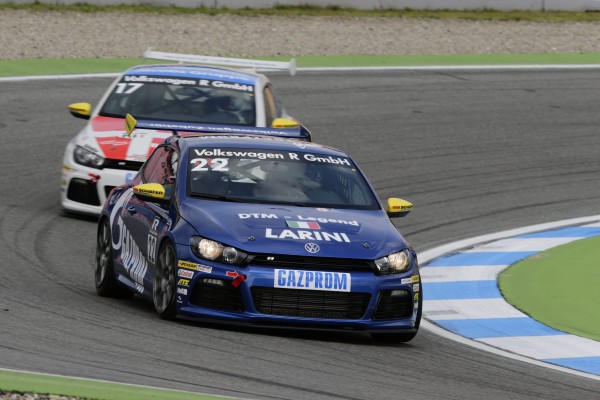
(165, 281)
(402, 337)
(104, 272)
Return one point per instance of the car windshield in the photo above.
(183, 100)
(279, 177)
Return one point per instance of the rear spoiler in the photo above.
(233, 62)
(298, 133)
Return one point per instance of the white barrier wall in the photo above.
(564, 5)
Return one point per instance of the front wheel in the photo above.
(164, 287)
(104, 273)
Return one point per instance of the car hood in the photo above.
(106, 136)
(263, 228)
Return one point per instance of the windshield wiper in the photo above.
(218, 197)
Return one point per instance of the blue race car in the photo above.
(262, 231)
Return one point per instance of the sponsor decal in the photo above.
(187, 265)
(204, 268)
(114, 147)
(225, 75)
(239, 154)
(183, 282)
(149, 191)
(327, 159)
(184, 273)
(139, 288)
(182, 291)
(152, 79)
(416, 297)
(415, 287)
(270, 155)
(129, 177)
(152, 239)
(257, 216)
(412, 279)
(303, 225)
(193, 266)
(226, 85)
(339, 237)
(179, 300)
(152, 249)
(328, 220)
(312, 280)
(132, 258)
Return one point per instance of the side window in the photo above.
(161, 167)
(151, 165)
(270, 106)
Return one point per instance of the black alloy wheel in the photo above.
(165, 282)
(104, 273)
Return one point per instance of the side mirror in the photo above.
(398, 207)
(153, 192)
(81, 110)
(283, 123)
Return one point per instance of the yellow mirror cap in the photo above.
(130, 123)
(154, 190)
(283, 123)
(399, 206)
(81, 108)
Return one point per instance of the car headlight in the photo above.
(395, 262)
(215, 251)
(89, 159)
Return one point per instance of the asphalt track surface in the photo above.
(477, 152)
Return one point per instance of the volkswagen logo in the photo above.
(312, 248)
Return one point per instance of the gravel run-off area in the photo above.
(28, 34)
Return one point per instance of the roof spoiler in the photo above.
(298, 133)
(233, 62)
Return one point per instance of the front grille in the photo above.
(218, 297)
(318, 263)
(396, 306)
(122, 164)
(83, 191)
(310, 303)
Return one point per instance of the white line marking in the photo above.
(325, 69)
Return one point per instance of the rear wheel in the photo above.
(164, 287)
(104, 274)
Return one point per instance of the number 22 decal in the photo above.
(216, 164)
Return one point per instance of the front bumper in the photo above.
(374, 303)
(84, 189)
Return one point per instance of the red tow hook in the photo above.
(237, 278)
(93, 178)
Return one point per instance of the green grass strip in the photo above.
(559, 287)
(49, 384)
(100, 65)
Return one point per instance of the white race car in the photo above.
(102, 156)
